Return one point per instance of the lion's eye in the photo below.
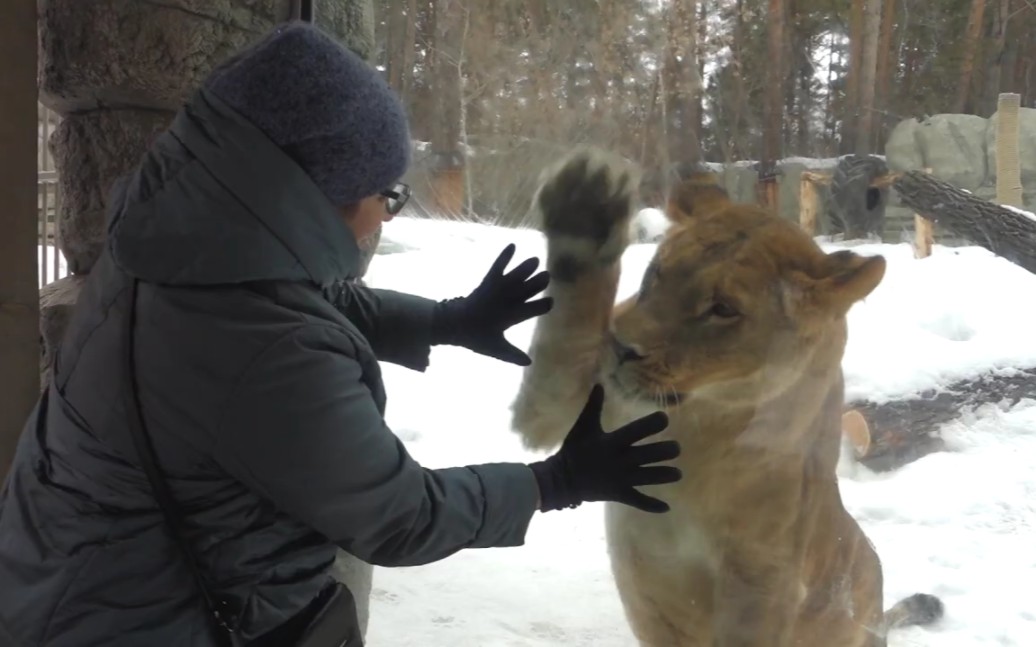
(723, 310)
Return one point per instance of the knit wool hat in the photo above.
(324, 106)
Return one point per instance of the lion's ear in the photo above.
(852, 278)
(695, 195)
(844, 279)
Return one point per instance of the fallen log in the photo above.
(1006, 232)
(893, 434)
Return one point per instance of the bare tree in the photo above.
(886, 57)
(682, 96)
(972, 36)
(402, 28)
(851, 113)
(868, 69)
(774, 118)
(447, 173)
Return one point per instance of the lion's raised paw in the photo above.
(585, 204)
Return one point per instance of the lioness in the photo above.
(737, 331)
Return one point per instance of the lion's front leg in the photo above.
(584, 206)
(757, 603)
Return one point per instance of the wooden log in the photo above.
(889, 435)
(858, 432)
(1007, 233)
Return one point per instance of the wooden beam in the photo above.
(1008, 163)
(808, 205)
(924, 233)
(19, 279)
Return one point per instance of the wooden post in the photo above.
(19, 265)
(808, 204)
(924, 234)
(767, 187)
(1008, 166)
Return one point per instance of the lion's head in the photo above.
(736, 300)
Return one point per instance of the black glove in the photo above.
(478, 321)
(596, 466)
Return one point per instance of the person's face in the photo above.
(366, 216)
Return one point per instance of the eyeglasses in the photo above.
(397, 197)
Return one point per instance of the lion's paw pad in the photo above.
(586, 203)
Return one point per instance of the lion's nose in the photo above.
(625, 353)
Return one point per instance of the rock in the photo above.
(91, 150)
(358, 577)
(902, 152)
(953, 146)
(57, 301)
(130, 53)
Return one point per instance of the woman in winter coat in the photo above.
(257, 380)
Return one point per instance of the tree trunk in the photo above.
(967, 65)
(19, 299)
(851, 114)
(1003, 231)
(995, 59)
(1027, 75)
(868, 67)
(395, 22)
(409, 43)
(774, 119)
(830, 122)
(902, 431)
(420, 99)
(682, 86)
(447, 173)
(803, 53)
(913, 60)
(737, 126)
(702, 23)
(402, 31)
(886, 59)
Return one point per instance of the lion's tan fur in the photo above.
(757, 549)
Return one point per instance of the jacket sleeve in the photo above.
(397, 325)
(303, 431)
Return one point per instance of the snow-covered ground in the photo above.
(960, 524)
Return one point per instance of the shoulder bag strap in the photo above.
(159, 486)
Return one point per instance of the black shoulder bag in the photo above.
(332, 623)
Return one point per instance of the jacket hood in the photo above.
(215, 201)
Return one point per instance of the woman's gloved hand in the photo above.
(596, 466)
(478, 321)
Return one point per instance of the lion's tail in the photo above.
(917, 609)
